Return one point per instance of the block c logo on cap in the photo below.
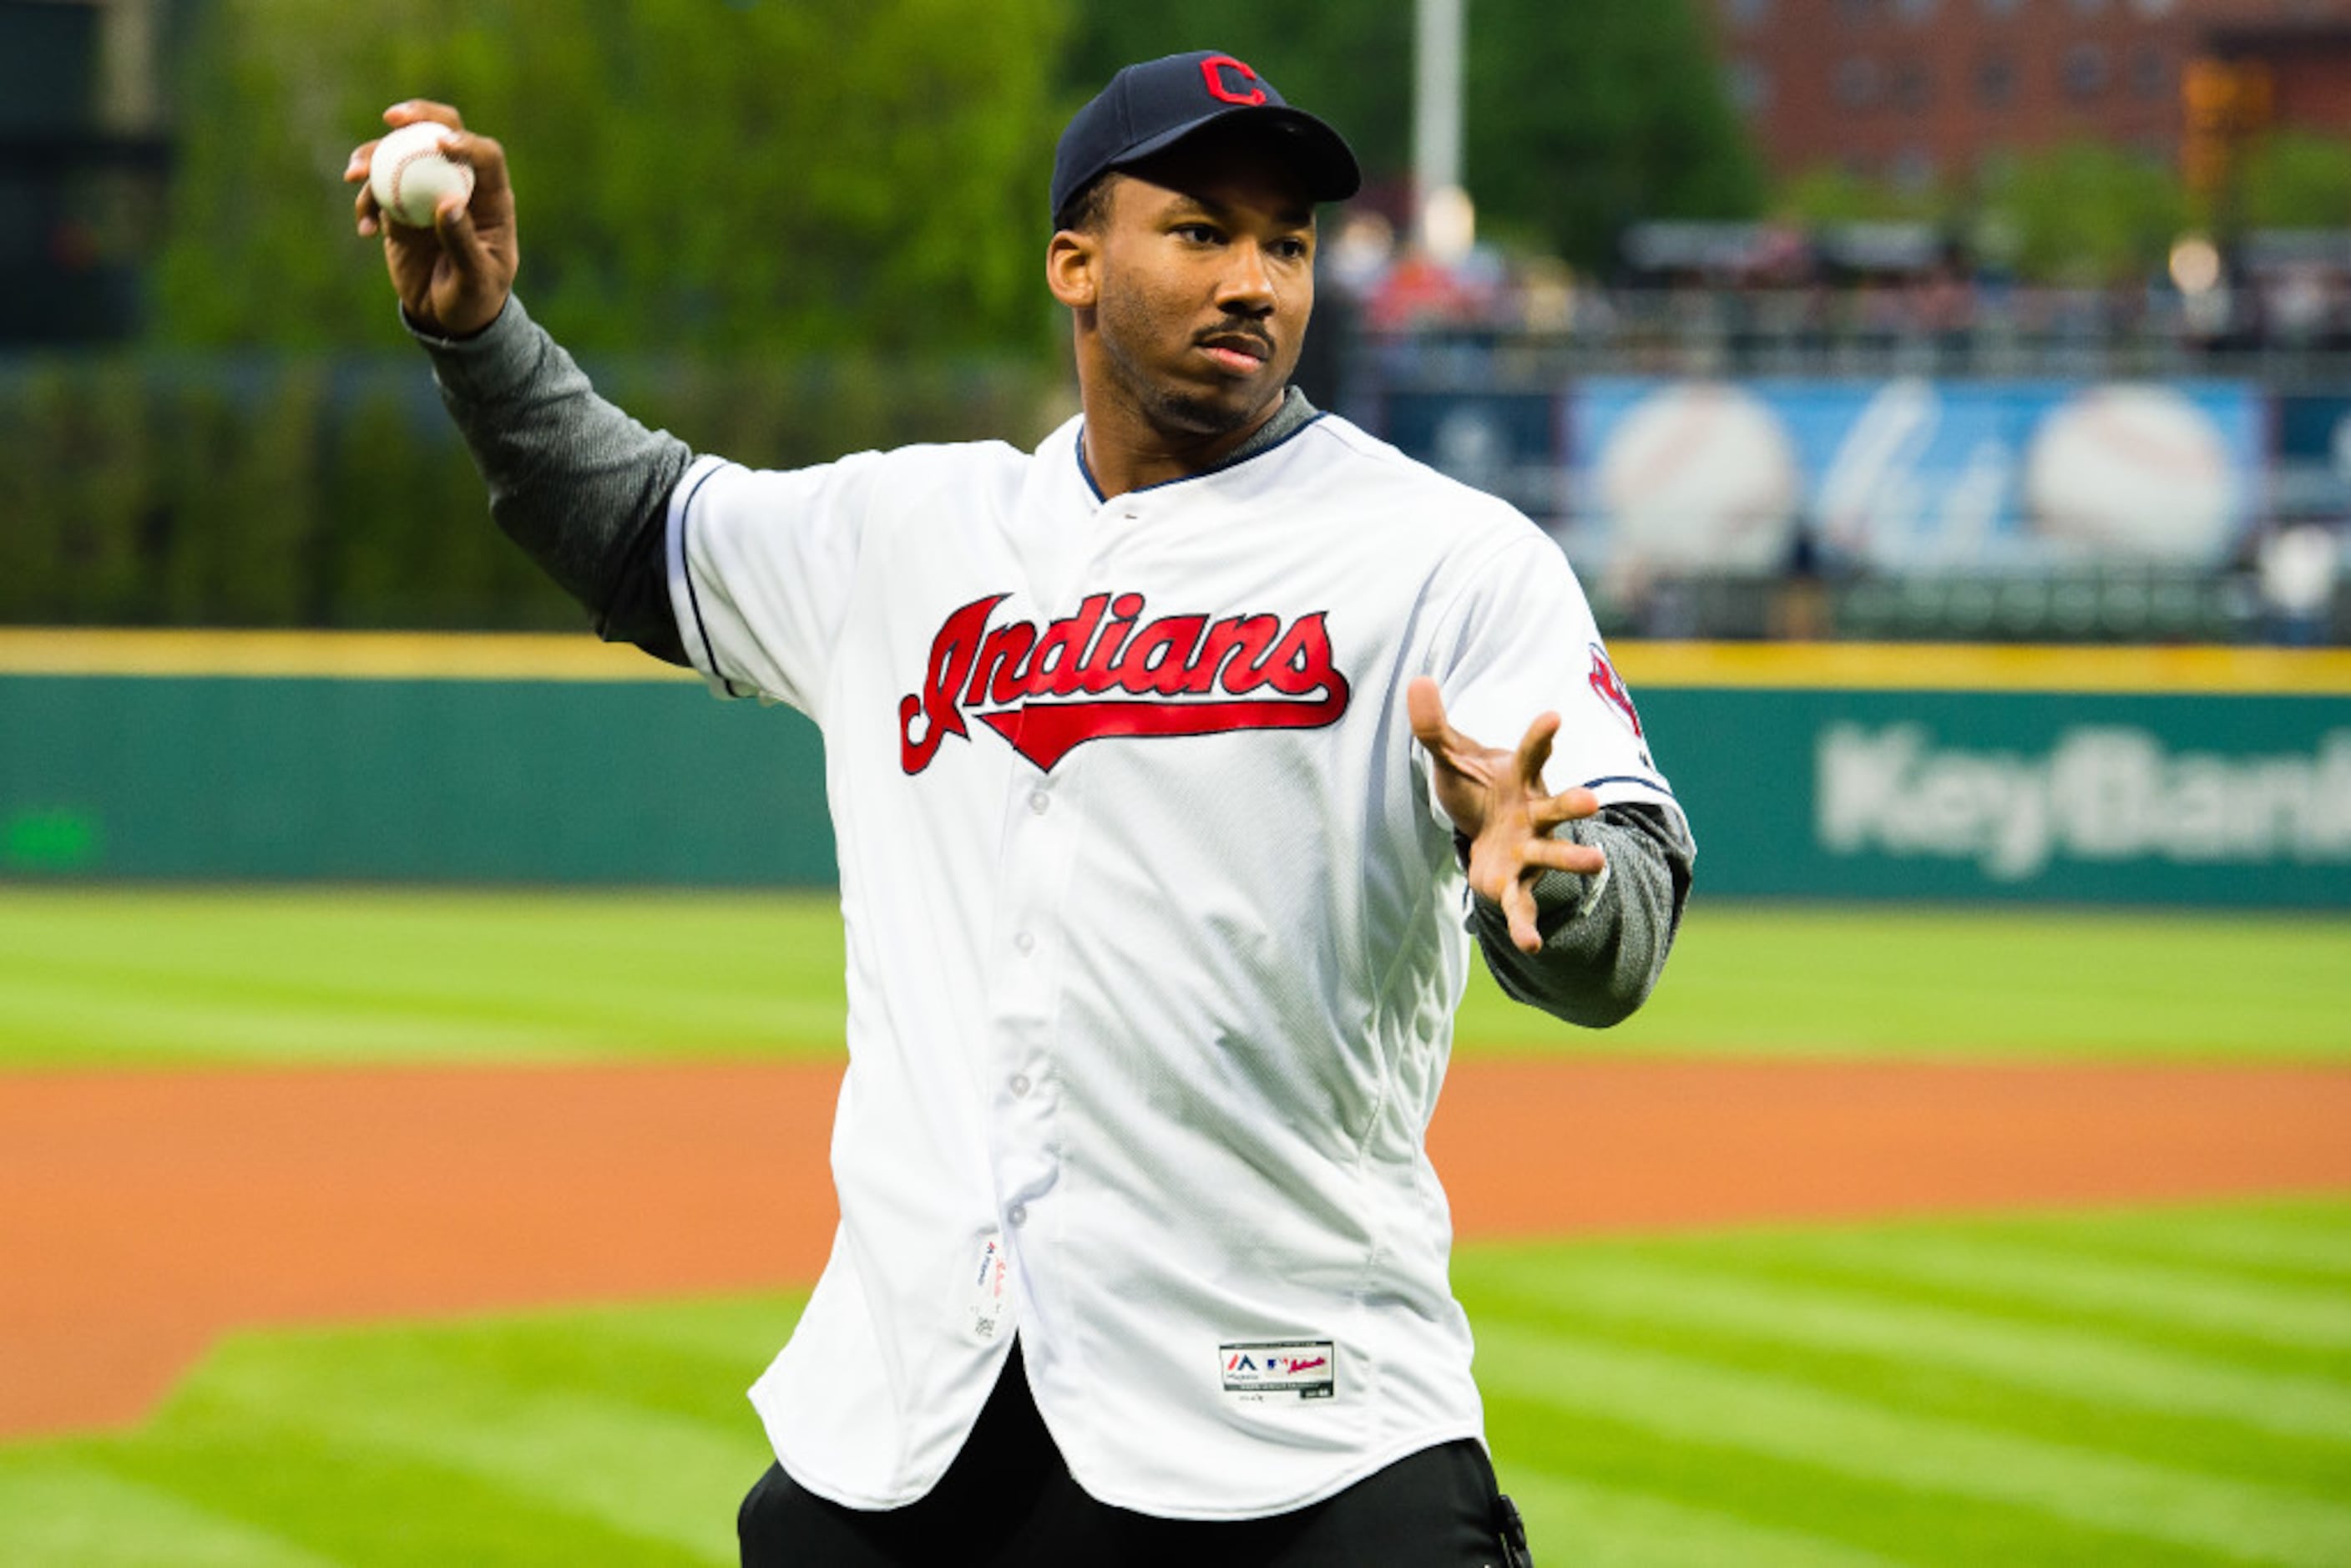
(1213, 70)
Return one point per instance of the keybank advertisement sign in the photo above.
(2104, 793)
(1961, 794)
(1914, 473)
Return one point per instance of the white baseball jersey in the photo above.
(1154, 938)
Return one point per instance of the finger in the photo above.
(1425, 707)
(453, 219)
(1534, 750)
(1567, 806)
(364, 211)
(486, 155)
(1519, 903)
(1565, 855)
(361, 159)
(408, 112)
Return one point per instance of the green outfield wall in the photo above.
(502, 760)
(2194, 777)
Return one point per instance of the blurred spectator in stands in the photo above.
(2297, 567)
(1645, 602)
(1548, 302)
(2297, 306)
(1352, 268)
(1800, 604)
(1944, 302)
(1420, 292)
(1360, 255)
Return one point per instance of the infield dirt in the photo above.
(143, 1215)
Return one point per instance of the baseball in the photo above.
(1701, 474)
(2134, 469)
(410, 173)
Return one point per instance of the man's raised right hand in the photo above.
(453, 278)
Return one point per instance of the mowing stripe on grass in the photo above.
(582, 1457)
(726, 1337)
(1794, 1498)
(1571, 1522)
(595, 1451)
(656, 974)
(1800, 981)
(338, 975)
(495, 1372)
(136, 1017)
(2053, 1276)
(1707, 1404)
(2088, 1366)
(1634, 1432)
(2296, 1245)
(366, 1508)
(55, 1513)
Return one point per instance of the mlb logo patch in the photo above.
(1255, 1371)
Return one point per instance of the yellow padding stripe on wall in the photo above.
(334, 655)
(1987, 667)
(561, 656)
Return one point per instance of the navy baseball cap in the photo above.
(1151, 107)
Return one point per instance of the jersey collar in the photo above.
(1294, 415)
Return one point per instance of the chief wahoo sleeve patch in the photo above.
(1611, 689)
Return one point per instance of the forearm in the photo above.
(1606, 937)
(584, 488)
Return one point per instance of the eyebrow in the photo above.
(1293, 217)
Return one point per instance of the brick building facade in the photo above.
(1927, 91)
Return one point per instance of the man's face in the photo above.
(1205, 281)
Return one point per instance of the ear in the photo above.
(1073, 268)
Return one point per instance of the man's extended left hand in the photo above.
(1497, 798)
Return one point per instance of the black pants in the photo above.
(1008, 1502)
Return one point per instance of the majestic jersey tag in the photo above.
(988, 1290)
(1307, 1368)
(1048, 690)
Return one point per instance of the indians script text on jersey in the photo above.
(1082, 677)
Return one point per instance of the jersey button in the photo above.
(1038, 801)
(1018, 1214)
(1020, 1084)
(1025, 941)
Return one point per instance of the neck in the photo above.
(1120, 460)
(1124, 452)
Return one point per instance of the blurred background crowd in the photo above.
(1988, 320)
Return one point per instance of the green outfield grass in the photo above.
(91, 975)
(2152, 1388)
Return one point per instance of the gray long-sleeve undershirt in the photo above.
(1605, 937)
(584, 489)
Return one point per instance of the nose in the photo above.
(1246, 288)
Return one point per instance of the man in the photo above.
(1152, 829)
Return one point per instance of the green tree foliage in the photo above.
(752, 175)
(2076, 213)
(300, 490)
(1828, 195)
(2083, 213)
(2296, 180)
(1578, 118)
(1586, 118)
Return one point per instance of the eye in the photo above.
(1291, 249)
(1197, 234)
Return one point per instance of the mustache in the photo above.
(1234, 332)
